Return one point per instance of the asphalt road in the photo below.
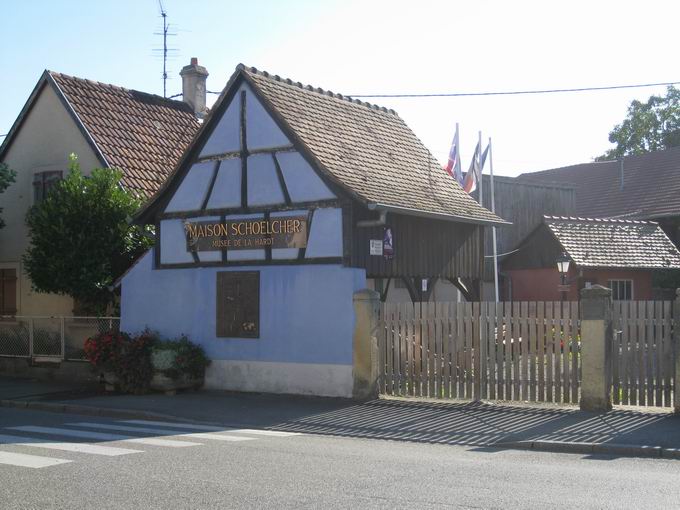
(246, 469)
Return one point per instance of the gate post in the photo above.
(676, 352)
(365, 348)
(596, 349)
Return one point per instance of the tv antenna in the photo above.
(167, 32)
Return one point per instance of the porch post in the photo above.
(596, 349)
(676, 352)
(365, 349)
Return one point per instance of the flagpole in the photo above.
(481, 170)
(493, 229)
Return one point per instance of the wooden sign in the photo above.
(280, 232)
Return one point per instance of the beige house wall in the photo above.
(46, 138)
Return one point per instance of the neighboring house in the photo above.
(289, 201)
(523, 204)
(619, 254)
(141, 134)
(645, 187)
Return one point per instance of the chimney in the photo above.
(193, 86)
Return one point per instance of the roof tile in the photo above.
(614, 243)
(118, 120)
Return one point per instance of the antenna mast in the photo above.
(166, 51)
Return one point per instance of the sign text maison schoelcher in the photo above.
(280, 232)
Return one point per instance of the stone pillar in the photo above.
(365, 349)
(596, 349)
(676, 352)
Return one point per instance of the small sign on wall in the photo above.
(376, 247)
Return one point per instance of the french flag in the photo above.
(453, 165)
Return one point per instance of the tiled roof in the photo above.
(143, 135)
(651, 185)
(367, 149)
(614, 243)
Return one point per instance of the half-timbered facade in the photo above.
(289, 201)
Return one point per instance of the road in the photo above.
(51, 460)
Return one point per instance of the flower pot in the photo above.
(110, 380)
(161, 382)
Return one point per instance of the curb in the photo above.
(625, 450)
(96, 411)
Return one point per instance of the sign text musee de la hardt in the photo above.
(281, 232)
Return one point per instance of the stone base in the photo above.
(161, 382)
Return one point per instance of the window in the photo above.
(43, 182)
(8, 291)
(238, 304)
(622, 290)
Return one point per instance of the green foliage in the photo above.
(7, 176)
(134, 368)
(177, 358)
(127, 357)
(648, 127)
(81, 240)
(133, 359)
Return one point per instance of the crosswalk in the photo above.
(87, 436)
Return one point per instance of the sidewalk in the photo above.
(622, 432)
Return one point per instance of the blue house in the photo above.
(289, 200)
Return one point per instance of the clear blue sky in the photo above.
(377, 46)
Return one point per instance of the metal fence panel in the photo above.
(51, 337)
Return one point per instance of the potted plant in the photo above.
(123, 361)
(103, 351)
(178, 364)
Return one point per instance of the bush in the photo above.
(129, 358)
(133, 359)
(134, 368)
(177, 358)
(104, 350)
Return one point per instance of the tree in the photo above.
(81, 239)
(7, 176)
(650, 126)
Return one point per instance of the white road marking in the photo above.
(94, 449)
(104, 437)
(29, 461)
(210, 428)
(161, 432)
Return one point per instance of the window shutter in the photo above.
(8, 291)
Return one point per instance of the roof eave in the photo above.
(434, 215)
(18, 122)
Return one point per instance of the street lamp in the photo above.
(563, 267)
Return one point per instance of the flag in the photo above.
(453, 165)
(474, 172)
(484, 155)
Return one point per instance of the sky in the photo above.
(377, 47)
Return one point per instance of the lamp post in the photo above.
(563, 267)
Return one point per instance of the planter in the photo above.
(161, 382)
(110, 380)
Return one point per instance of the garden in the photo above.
(143, 362)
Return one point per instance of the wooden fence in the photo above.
(642, 368)
(522, 351)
